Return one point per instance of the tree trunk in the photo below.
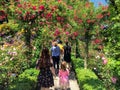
(86, 49)
(77, 51)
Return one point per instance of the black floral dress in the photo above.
(45, 78)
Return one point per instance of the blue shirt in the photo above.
(55, 50)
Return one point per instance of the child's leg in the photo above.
(65, 88)
(61, 87)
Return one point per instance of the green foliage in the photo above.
(13, 58)
(114, 68)
(112, 40)
(29, 74)
(112, 33)
(4, 77)
(77, 62)
(88, 80)
(25, 81)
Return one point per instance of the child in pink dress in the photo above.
(64, 76)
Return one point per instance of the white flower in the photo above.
(2, 48)
(103, 58)
(14, 53)
(97, 56)
(14, 48)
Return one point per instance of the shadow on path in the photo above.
(72, 75)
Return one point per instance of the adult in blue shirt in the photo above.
(55, 53)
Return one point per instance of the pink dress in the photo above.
(64, 78)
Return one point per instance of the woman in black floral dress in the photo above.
(45, 77)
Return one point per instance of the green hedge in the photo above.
(87, 80)
(77, 62)
(25, 81)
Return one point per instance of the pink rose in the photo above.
(105, 61)
(66, 33)
(114, 79)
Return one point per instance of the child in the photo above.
(64, 76)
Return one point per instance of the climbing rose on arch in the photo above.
(99, 16)
(67, 33)
(97, 41)
(75, 34)
(41, 8)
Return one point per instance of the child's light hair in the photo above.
(63, 65)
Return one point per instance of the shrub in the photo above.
(77, 62)
(88, 80)
(25, 81)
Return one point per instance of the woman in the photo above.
(45, 77)
(67, 53)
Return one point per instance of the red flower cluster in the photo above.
(59, 0)
(27, 11)
(57, 32)
(34, 7)
(90, 21)
(67, 33)
(99, 16)
(97, 41)
(75, 34)
(104, 7)
(78, 20)
(87, 4)
(49, 16)
(60, 19)
(41, 8)
(3, 16)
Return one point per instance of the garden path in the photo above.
(73, 82)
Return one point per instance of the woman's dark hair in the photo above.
(44, 58)
(66, 42)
